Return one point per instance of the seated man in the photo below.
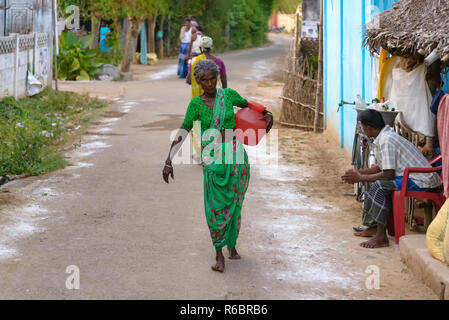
(393, 153)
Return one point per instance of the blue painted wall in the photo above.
(347, 66)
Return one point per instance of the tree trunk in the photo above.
(95, 32)
(131, 42)
(118, 26)
(150, 36)
(161, 40)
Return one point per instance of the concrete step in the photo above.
(432, 272)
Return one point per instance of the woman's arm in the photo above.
(189, 74)
(224, 82)
(189, 49)
(181, 135)
(223, 74)
(181, 34)
(175, 146)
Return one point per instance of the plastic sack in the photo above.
(446, 246)
(411, 95)
(437, 234)
(33, 85)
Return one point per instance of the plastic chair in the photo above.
(397, 222)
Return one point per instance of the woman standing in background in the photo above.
(185, 36)
(104, 30)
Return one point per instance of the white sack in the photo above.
(411, 95)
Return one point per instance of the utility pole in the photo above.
(56, 49)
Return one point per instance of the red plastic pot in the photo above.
(249, 128)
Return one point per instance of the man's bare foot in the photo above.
(368, 233)
(375, 243)
(233, 254)
(220, 265)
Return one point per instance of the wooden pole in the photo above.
(297, 37)
(16, 64)
(319, 87)
(56, 49)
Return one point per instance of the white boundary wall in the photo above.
(19, 53)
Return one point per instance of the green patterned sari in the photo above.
(226, 177)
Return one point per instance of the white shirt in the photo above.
(394, 152)
(196, 44)
(186, 36)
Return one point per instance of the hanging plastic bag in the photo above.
(411, 95)
(33, 86)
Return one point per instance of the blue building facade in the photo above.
(347, 65)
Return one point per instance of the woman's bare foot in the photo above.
(220, 265)
(233, 254)
(368, 233)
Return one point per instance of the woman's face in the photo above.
(209, 82)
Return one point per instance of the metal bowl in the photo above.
(388, 116)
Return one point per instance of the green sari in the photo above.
(226, 177)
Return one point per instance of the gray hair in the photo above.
(204, 66)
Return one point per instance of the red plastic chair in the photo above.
(397, 222)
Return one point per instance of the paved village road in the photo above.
(134, 237)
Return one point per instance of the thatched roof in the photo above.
(412, 28)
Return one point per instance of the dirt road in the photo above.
(132, 236)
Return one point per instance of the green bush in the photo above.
(248, 24)
(248, 21)
(75, 60)
(31, 128)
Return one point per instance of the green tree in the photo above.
(248, 24)
(286, 6)
(136, 11)
(233, 24)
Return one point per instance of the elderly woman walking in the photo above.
(226, 168)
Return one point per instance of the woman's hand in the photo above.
(167, 172)
(267, 115)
